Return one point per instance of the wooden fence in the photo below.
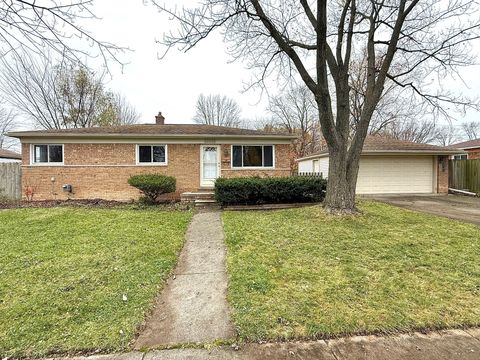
(464, 175)
(11, 180)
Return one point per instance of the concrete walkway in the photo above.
(193, 306)
(441, 345)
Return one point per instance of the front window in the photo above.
(460, 157)
(152, 154)
(47, 154)
(252, 156)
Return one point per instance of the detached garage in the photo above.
(389, 166)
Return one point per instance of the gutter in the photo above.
(394, 152)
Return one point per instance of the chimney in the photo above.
(159, 119)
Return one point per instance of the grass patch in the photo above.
(300, 273)
(64, 273)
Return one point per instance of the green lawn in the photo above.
(64, 273)
(301, 273)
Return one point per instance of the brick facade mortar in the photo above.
(102, 170)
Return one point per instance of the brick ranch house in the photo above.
(471, 147)
(389, 166)
(97, 162)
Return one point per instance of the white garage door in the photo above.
(395, 174)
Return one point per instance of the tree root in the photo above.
(342, 211)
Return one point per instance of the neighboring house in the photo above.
(97, 162)
(389, 166)
(9, 156)
(471, 147)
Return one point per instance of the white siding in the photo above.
(392, 174)
(324, 166)
(395, 174)
(305, 166)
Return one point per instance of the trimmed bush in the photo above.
(270, 190)
(153, 185)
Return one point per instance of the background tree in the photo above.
(421, 131)
(60, 95)
(217, 110)
(7, 124)
(294, 110)
(447, 135)
(123, 112)
(471, 129)
(55, 26)
(318, 40)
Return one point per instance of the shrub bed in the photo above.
(153, 185)
(271, 190)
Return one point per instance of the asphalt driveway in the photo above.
(457, 207)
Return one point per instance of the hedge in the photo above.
(153, 185)
(270, 190)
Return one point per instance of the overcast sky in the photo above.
(172, 85)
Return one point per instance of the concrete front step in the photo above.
(198, 197)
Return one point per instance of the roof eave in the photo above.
(34, 134)
(414, 152)
(470, 147)
(392, 152)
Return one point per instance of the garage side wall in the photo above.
(442, 174)
(305, 166)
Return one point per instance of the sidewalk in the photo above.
(193, 306)
(441, 345)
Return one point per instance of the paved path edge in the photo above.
(452, 344)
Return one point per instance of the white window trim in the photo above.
(252, 167)
(137, 156)
(48, 163)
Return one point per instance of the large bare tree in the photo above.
(396, 107)
(60, 95)
(317, 40)
(217, 110)
(55, 26)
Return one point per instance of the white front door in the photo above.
(209, 165)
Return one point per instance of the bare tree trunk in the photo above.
(342, 180)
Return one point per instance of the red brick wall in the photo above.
(442, 174)
(102, 170)
(473, 153)
(283, 156)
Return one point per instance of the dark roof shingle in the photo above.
(152, 129)
(7, 154)
(374, 144)
(468, 144)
